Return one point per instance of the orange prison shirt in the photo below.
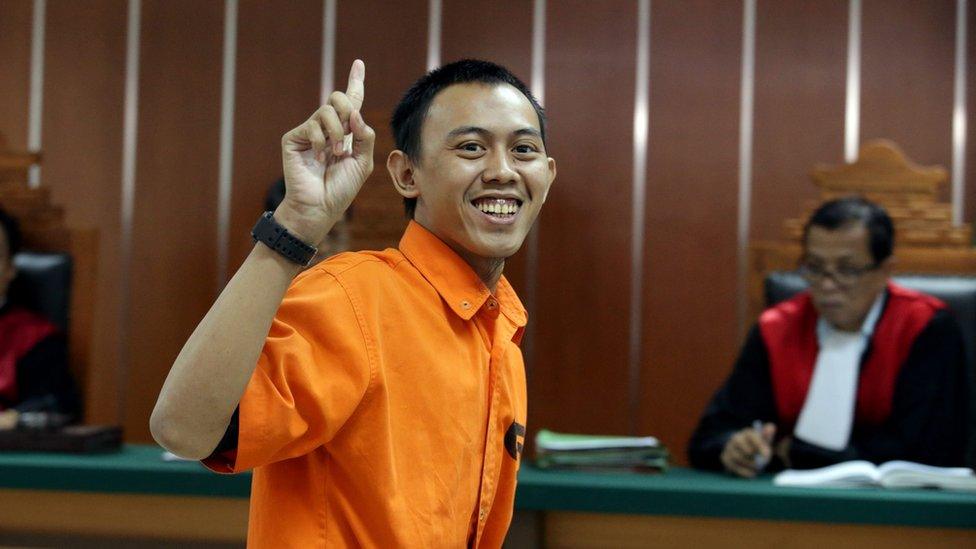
(388, 405)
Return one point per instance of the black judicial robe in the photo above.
(34, 374)
(912, 396)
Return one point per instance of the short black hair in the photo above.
(408, 117)
(837, 213)
(12, 230)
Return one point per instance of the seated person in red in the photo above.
(34, 375)
(856, 367)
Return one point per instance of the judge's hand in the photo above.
(322, 175)
(740, 452)
(783, 451)
(8, 420)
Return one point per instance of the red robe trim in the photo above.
(789, 331)
(20, 331)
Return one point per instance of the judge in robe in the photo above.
(34, 374)
(856, 367)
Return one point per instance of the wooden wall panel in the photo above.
(800, 81)
(15, 52)
(690, 252)
(579, 374)
(501, 33)
(970, 153)
(174, 235)
(279, 59)
(391, 38)
(580, 379)
(906, 76)
(82, 130)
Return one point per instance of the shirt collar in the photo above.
(456, 282)
(825, 329)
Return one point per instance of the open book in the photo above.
(891, 474)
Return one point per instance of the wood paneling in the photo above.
(279, 59)
(580, 368)
(690, 253)
(15, 52)
(391, 38)
(906, 76)
(82, 129)
(565, 530)
(501, 33)
(800, 80)
(178, 520)
(970, 152)
(580, 379)
(174, 233)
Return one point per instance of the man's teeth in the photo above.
(498, 207)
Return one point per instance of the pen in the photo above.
(759, 461)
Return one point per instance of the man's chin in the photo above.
(838, 320)
(498, 246)
(497, 251)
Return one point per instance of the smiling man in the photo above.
(855, 368)
(378, 396)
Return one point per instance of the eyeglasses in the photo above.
(843, 275)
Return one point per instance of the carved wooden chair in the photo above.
(47, 246)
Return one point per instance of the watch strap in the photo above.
(275, 236)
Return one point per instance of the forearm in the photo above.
(211, 373)
(705, 448)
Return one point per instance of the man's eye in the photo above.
(471, 147)
(525, 149)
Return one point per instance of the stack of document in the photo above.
(599, 452)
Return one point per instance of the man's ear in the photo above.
(9, 274)
(401, 172)
(551, 166)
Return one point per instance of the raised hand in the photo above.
(323, 169)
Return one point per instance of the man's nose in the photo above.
(827, 283)
(499, 169)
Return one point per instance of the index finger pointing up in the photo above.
(355, 91)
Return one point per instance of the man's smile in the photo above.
(498, 209)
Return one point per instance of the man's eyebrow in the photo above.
(462, 130)
(528, 131)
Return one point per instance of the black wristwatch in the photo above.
(276, 236)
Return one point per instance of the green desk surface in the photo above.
(686, 492)
(137, 469)
(680, 492)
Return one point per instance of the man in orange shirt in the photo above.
(378, 396)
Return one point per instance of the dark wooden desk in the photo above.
(134, 494)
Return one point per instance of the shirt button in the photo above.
(492, 303)
(465, 304)
(483, 514)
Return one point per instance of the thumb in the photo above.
(769, 432)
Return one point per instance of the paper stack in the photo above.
(599, 452)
